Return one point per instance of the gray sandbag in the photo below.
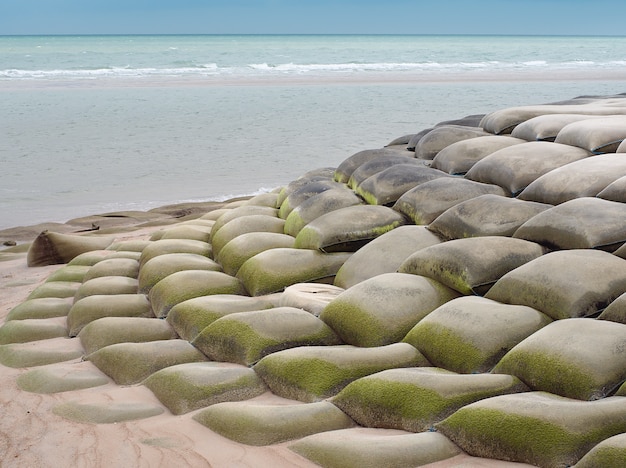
(347, 229)
(324, 174)
(584, 178)
(303, 193)
(546, 127)
(157, 268)
(373, 167)
(459, 157)
(600, 135)
(415, 139)
(486, 215)
(312, 297)
(245, 210)
(168, 246)
(582, 223)
(616, 311)
(443, 136)
(472, 265)
(384, 254)
(264, 199)
(564, 284)
(382, 309)
(50, 248)
(113, 267)
(515, 167)
(243, 225)
(616, 191)
(238, 250)
(348, 166)
(425, 202)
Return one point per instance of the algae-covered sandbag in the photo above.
(23, 331)
(471, 334)
(472, 265)
(515, 167)
(168, 246)
(534, 427)
(313, 373)
(60, 378)
(246, 337)
(188, 387)
(131, 363)
(243, 225)
(546, 127)
(55, 289)
(616, 311)
(303, 193)
(318, 205)
(381, 310)
(564, 284)
(610, 453)
(94, 307)
(584, 178)
(384, 254)
(50, 248)
(192, 316)
(582, 223)
(441, 137)
(425, 202)
(107, 285)
(39, 353)
(459, 157)
(324, 174)
(113, 267)
(239, 212)
(69, 273)
(111, 330)
(133, 245)
(348, 229)
(358, 448)
(183, 285)
(486, 215)
(157, 268)
(106, 413)
(576, 358)
(375, 166)
(93, 256)
(40, 308)
(243, 247)
(348, 166)
(616, 191)
(312, 297)
(199, 233)
(273, 270)
(258, 424)
(385, 187)
(599, 135)
(413, 399)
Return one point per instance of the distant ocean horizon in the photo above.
(94, 124)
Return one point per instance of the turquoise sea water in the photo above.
(105, 123)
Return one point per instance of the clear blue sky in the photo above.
(575, 17)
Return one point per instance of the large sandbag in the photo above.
(584, 178)
(40, 308)
(243, 225)
(238, 250)
(347, 229)
(384, 254)
(616, 191)
(373, 167)
(459, 157)
(486, 215)
(602, 135)
(471, 334)
(349, 165)
(157, 268)
(24, 331)
(582, 223)
(610, 453)
(515, 167)
(303, 193)
(427, 201)
(50, 248)
(441, 137)
(57, 289)
(564, 284)
(312, 297)
(246, 210)
(113, 267)
(382, 309)
(546, 127)
(168, 246)
(324, 174)
(107, 285)
(472, 265)
(616, 311)
(575, 358)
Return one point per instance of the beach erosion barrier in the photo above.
(464, 286)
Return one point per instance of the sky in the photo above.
(558, 17)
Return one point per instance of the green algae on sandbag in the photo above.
(131, 363)
(187, 387)
(94, 307)
(610, 453)
(471, 334)
(582, 223)
(23, 331)
(537, 428)
(39, 353)
(347, 229)
(113, 267)
(134, 245)
(374, 448)
(312, 297)
(485, 215)
(69, 273)
(471, 265)
(575, 358)
(237, 251)
(60, 378)
(313, 373)
(564, 284)
(273, 270)
(107, 286)
(258, 424)
(244, 225)
(384, 254)
(110, 330)
(51, 248)
(107, 413)
(41, 308)
(382, 309)
(157, 268)
(246, 337)
(55, 289)
(413, 399)
(616, 311)
(190, 317)
(183, 285)
(92, 257)
(345, 170)
(168, 246)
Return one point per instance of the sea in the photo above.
(98, 124)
